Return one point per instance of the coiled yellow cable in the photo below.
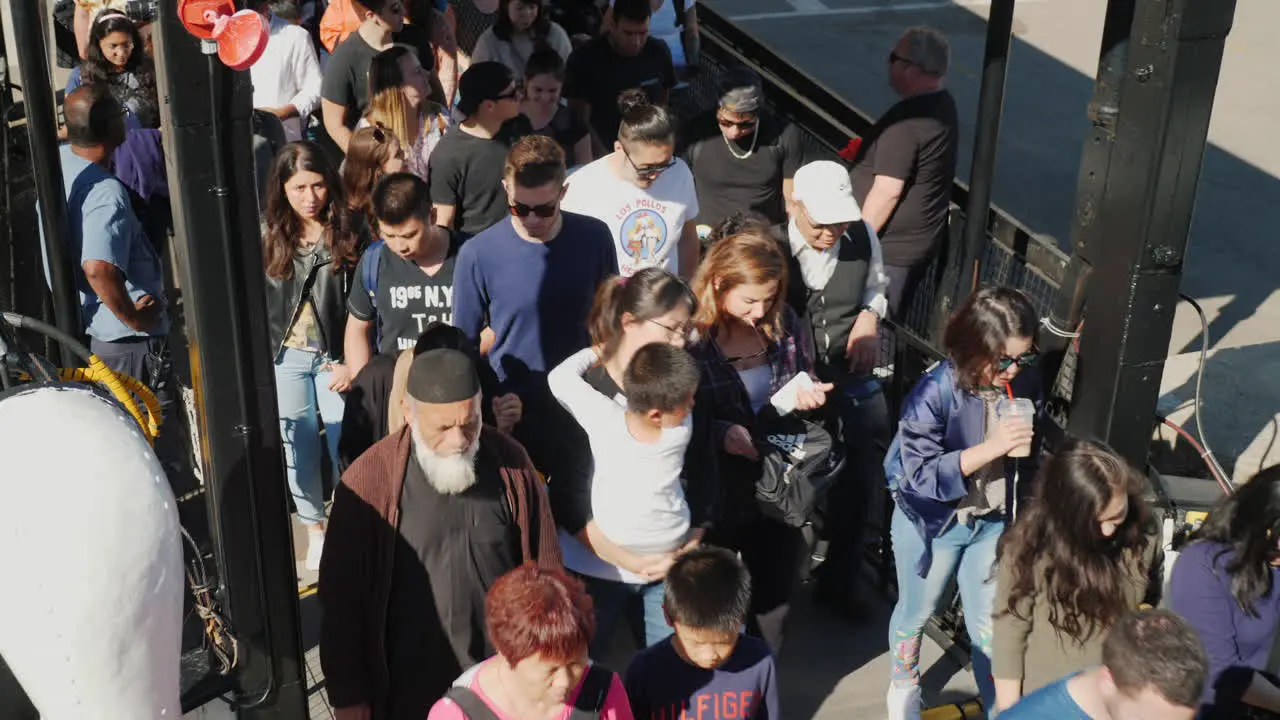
(124, 388)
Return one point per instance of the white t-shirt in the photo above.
(646, 222)
(637, 498)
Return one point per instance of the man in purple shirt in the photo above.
(1153, 668)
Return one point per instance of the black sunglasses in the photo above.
(543, 211)
(649, 170)
(895, 57)
(1025, 360)
(511, 94)
(743, 125)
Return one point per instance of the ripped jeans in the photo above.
(967, 551)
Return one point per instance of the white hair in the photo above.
(927, 49)
(448, 474)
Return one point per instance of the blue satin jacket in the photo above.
(931, 438)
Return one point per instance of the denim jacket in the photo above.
(931, 438)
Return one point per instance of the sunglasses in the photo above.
(1025, 360)
(543, 211)
(673, 332)
(835, 228)
(743, 125)
(649, 171)
(511, 94)
(895, 58)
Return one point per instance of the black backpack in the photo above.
(799, 462)
(590, 701)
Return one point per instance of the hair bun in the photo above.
(632, 99)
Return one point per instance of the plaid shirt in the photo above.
(722, 386)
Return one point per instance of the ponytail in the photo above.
(647, 295)
(644, 122)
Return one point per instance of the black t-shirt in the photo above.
(727, 184)
(915, 141)
(566, 128)
(449, 551)
(346, 77)
(597, 74)
(466, 172)
(405, 299)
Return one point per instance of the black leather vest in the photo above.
(830, 312)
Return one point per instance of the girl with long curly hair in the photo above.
(115, 57)
(1080, 556)
(309, 253)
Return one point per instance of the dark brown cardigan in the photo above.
(355, 570)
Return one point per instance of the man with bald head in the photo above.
(905, 166)
(121, 281)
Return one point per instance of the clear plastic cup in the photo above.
(1021, 409)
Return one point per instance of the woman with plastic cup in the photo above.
(953, 470)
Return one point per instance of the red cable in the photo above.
(1204, 454)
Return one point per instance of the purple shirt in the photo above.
(662, 686)
(1237, 643)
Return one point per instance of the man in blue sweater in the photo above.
(1153, 668)
(531, 279)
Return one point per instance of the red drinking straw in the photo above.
(1009, 390)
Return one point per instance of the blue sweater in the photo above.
(535, 296)
(1237, 644)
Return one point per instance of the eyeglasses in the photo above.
(743, 125)
(672, 332)
(543, 211)
(895, 57)
(649, 171)
(1025, 360)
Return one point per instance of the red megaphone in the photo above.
(241, 36)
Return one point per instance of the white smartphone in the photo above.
(785, 399)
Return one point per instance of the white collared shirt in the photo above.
(287, 74)
(817, 266)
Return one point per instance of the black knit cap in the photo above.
(442, 376)
(482, 81)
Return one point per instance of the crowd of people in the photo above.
(548, 329)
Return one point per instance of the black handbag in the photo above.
(799, 462)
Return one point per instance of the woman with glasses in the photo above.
(642, 192)
(749, 344)
(1082, 555)
(953, 472)
(652, 306)
(400, 101)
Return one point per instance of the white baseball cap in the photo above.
(827, 193)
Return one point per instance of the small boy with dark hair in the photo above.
(708, 668)
(637, 498)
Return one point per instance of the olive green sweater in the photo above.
(1034, 650)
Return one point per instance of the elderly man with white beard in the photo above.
(422, 524)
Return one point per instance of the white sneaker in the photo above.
(904, 702)
(315, 547)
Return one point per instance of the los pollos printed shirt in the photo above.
(646, 223)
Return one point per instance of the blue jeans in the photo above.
(967, 551)
(304, 400)
(612, 599)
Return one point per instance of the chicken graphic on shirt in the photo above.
(643, 235)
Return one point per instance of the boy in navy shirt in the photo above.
(708, 669)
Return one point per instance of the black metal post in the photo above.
(42, 133)
(206, 112)
(995, 69)
(1143, 216)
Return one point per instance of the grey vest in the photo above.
(830, 312)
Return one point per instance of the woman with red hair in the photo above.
(540, 622)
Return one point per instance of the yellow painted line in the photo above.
(307, 591)
(967, 711)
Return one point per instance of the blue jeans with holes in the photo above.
(967, 551)
(612, 599)
(304, 400)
